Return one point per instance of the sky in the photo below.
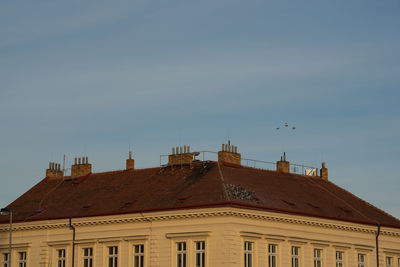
(98, 78)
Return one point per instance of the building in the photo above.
(196, 213)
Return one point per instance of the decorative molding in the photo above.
(342, 246)
(297, 241)
(110, 239)
(16, 246)
(187, 234)
(275, 239)
(251, 235)
(391, 251)
(135, 237)
(86, 241)
(59, 243)
(365, 248)
(239, 213)
(318, 244)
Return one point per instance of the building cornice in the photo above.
(202, 213)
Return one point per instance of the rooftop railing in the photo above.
(206, 155)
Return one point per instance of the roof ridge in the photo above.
(345, 202)
(366, 202)
(226, 195)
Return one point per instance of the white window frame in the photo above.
(61, 257)
(248, 253)
(6, 259)
(389, 261)
(22, 258)
(140, 255)
(181, 253)
(272, 255)
(87, 259)
(200, 253)
(361, 259)
(318, 257)
(190, 238)
(112, 254)
(295, 257)
(339, 260)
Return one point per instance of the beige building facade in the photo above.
(224, 231)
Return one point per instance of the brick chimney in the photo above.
(283, 165)
(81, 167)
(54, 170)
(229, 154)
(180, 155)
(324, 171)
(130, 163)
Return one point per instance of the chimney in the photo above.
(229, 154)
(283, 165)
(130, 163)
(324, 171)
(180, 155)
(54, 170)
(81, 167)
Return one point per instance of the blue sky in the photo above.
(97, 77)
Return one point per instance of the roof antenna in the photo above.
(64, 165)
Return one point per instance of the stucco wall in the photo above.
(223, 229)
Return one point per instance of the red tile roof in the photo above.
(199, 185)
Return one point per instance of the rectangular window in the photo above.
(295, 256)
(389, 262)
(361, 260)
(317, 257)
(181, 254)
(200, 253)
(248, 254)
(22, 259)
(272, 255)
(88, 257)
(138, 254)
(339, 259)
(113, 256)
(5, 257)
(60, 257)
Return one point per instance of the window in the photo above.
(200, 253)
(5, 256)
(389, 262)
(295, 256)
(272, 255)
(181, 254)
(22, 259)
(317, 257)
(113, 256)
(339, 259)
(138, 254)
(88, 257)
(248, 254)
(361, 260)
(60, 257)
